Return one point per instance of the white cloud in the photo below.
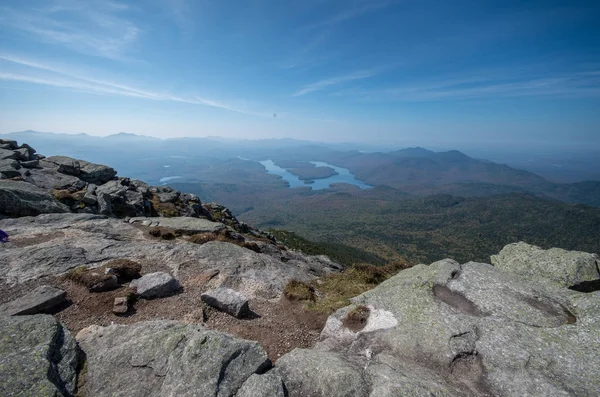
(57, 77)
(320, 85)
(91, 27)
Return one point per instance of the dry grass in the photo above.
(125, 269)
(167, 210)
(336, 289)
(299, 291)
(356, 319)
(87, 277)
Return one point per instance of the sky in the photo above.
(423, 71)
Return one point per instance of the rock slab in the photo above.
(42, 298)
(166, 358)
(155, 285)
(227, 300)
(571, 269)
(38, 357)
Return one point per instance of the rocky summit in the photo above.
(112, 287)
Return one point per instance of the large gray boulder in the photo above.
(155, 285)
(167, 358)
(96, 173)
(559, 267)
(38, 357)
(44, 297)
(228, 301)
(19, 198)
(459, 330)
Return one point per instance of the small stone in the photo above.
(107, 282)
(121, 305)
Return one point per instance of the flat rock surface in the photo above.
(43, 298)
(167, 358)
(186, 224)
(38, 357)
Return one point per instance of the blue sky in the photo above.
(334, 70)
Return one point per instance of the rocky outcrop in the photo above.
(167, 358)
(449, 329)
(52, 244)
(38, 357)
(556, 266)
(32, 184)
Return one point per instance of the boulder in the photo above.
(39, 300)
(9, 144)
(167, 358)
(23, 154)
(155, 285)
(90, 195)
(19, 198)
(228, 301)
(459, 330)
(556, 266)
(267, 385)
(38, 357)
(96, 173)
(50, 179)
(63, 164)
(8, 154)
(9, 168)
(30, 164)
(104, 203)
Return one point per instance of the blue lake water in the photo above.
(344, 176)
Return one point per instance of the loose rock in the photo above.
(155, 285)
(227, 300)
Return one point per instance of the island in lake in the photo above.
(306, 171)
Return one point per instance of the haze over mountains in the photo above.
(414, 170)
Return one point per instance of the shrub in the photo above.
(299, 291)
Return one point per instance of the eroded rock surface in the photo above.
(449, 329)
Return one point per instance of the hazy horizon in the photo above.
(406, 72)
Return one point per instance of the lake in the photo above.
(343, 176)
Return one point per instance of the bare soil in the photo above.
(278, 326)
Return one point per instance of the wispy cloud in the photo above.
(321, 85)
(77, 82)
(573, 84)
(92, 27)
(347, 14)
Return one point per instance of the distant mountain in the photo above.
(414, 170)
(421, 171)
